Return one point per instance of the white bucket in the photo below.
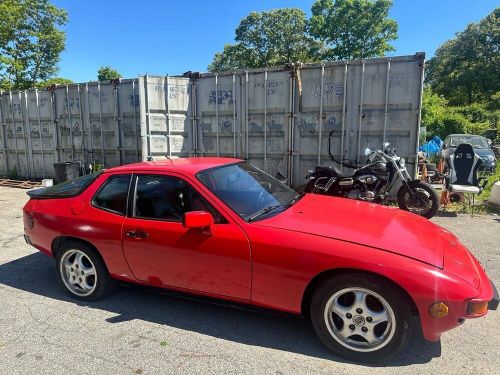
(47, 182)
(495, 194)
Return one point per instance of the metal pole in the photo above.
(167, 107)
(101, 124)
(53, 105)
(148, 127)
(265, 120)
(87, 99)
(217, 114)
(360, 109)
(40, 131)
(135, 121)
(80, 116)
(14, 129)
(343, 115)
(70, 124)
(246, 114)
(321, 112)
(28, 144)
(234, 115)
(118, 128)
(419, 118)
(386, 98)
(194, 132)
(291, 130)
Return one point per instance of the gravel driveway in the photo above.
(139, 331)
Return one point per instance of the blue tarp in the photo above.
(432, 146)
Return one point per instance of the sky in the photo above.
(173, 36)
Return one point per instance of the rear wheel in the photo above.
(425, 200)
(82, 273)
(361, 317)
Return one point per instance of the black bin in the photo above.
(66, 171)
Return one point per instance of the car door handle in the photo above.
(137, 234)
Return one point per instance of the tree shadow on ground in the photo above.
(35, 273)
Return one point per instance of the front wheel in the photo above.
(361, 317)
(425, 200)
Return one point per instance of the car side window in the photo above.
(168, 198)
(112, 196)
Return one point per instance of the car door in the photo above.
(160, 250)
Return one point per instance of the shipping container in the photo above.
(280, 119)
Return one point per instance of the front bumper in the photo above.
(493, 303)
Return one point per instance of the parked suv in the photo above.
(481, 148)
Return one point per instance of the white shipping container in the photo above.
(279, 118)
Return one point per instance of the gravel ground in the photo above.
(137, 331)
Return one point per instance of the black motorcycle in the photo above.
(373, 182)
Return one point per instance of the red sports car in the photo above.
(222, 228)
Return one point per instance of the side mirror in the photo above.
(445, 146)
(199, 219)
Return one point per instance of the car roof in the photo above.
(465, 135)
(190, 165)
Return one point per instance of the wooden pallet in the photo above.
(19, 184)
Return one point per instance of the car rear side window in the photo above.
(112, 196)
(65, 189)
(168, 198)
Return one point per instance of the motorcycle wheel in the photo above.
(426, 202)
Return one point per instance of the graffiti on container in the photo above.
(104, 96)
(273, 87)
(254, 126)
(223, 97)
(225, 126)
(330, 123)
(395, 119)
(15, 108)
(133, 100)
(65, 130)
(208, 144)
(329, 89)
(176, 90)
(35, 132)
(307, 124)
(275, 126)
(396, 80)
(206, 126)
(74, 103)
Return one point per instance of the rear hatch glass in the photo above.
(65, 189)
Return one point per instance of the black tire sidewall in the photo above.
(104, 283)
(394, 297)
(433, 196)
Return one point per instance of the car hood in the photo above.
(385, 228)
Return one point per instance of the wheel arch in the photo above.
(322, 277)
(59, 241)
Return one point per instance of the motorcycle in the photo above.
(373, 181)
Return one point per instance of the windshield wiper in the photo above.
(263, 211)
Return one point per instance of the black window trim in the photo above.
(38, 193)
(132, 201)
(94, 204)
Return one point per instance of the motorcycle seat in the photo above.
(334, 171)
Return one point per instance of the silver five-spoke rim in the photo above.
(360, 319)
(78, 272)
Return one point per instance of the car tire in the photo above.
(345, 335)
(81, 272)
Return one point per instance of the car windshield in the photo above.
(247, 190)
(476, 141)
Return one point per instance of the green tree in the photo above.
(353, 29)
(270, 38)
(466, 69)
(54, 81)
(106, 73)
(30, 41)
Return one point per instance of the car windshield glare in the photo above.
(247, 190)
(475, 141)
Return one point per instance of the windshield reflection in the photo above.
(247, 190)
